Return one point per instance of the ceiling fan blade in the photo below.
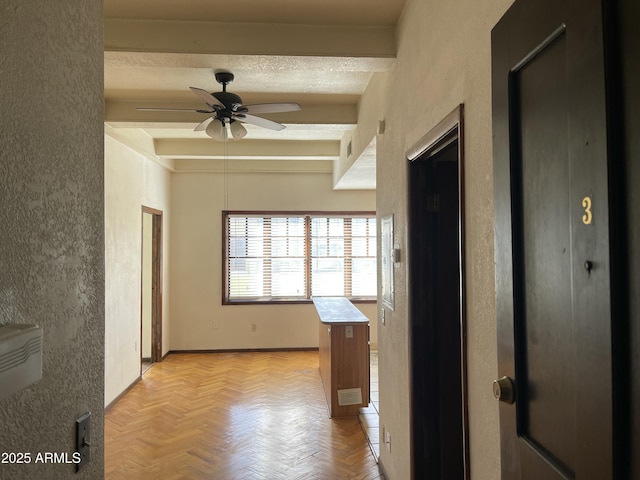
(206, 97)
(202, 125)
(259, 121)
(150, 109)
(272, 107)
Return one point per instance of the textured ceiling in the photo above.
(318, 53)
(305, 12)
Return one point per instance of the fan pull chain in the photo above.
(226, 176)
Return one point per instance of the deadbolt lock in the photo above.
(504, 390)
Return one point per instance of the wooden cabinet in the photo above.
(344, 355)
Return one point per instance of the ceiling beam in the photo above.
(131, 35)
(313, 114)
(252, 166)
(269, 63)
(180, 148)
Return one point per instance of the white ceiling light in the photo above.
(237, 130)
(217, 130)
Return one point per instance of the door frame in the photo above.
(449, 130)
(156, 283)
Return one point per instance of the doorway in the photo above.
(151, 289)
(437, 310)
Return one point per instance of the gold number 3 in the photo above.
(588, 216)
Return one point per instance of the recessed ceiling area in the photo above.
(320, 54)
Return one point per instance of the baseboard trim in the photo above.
(247, 350)
(123, 393)
(382, 470)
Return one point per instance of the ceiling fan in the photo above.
(227, 109)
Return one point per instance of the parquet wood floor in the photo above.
(233, 416)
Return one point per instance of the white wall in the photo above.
(131, 181)
(199, 320)
(444, 59)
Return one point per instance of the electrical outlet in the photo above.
(215, 325)
(348, 331)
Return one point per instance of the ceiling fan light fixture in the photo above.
(217, 130)
(237, 130)
(226, 107)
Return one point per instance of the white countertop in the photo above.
(332, 310)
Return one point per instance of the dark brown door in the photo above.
(552, 241)
(438, 355)
(436, 333)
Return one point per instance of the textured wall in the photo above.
(444, 59)
(51, 223)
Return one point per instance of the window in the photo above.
(291, 256)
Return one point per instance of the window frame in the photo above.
(308, 215)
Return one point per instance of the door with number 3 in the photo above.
(552, 242)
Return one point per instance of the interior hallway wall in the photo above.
(131, 181)
(444, 59)
(52, 224)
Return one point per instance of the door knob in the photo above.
(504, 390)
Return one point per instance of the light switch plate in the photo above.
(83, 440)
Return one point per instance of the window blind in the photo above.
(266, 257)
(281, 256)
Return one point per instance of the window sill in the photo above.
(288, 301)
